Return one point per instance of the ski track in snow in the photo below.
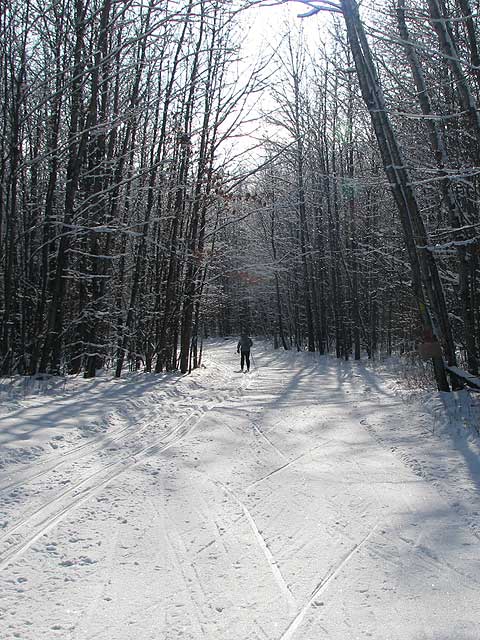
(272, 563)
(23, 534)
(286, 465)
(261, 434)
(76, 454)
(322, 585)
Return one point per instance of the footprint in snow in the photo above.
(81, 561)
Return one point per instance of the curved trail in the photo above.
(42, 520)
(78, 453)
(20, 536)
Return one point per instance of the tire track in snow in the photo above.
(42, 520)
(275, 569)
(292, 628)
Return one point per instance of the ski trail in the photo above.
(218, 538)
(322, 585)
(260, 433)
(275, 569)
(78, 453)
(18, 538)
(188, 573)
(287, 464)
(43, 520)
(124, 461)
(21, 544)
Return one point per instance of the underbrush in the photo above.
(16, 387)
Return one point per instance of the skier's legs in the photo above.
(247, 358)
(242, 360)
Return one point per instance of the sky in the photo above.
(263, 28)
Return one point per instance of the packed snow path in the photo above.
(264, 506)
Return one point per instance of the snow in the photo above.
(309, 499)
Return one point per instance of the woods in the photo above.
(132, 225)
(389, 207)
(112, 116)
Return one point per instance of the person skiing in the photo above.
(243, 347)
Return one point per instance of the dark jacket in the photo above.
(244, 343)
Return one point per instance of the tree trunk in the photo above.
(424, 272)
(456, 216)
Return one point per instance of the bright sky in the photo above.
(268, 22)
(265, 26)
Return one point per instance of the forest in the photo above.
(160, 183)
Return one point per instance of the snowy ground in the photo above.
(310, 499)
